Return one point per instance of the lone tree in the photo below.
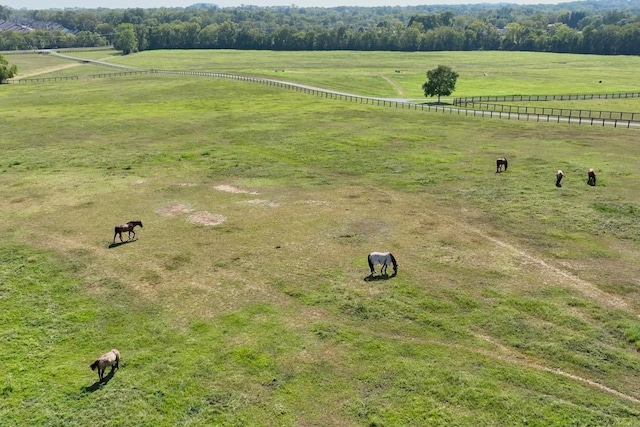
(126, 39)
(441, 81)
(6, 71)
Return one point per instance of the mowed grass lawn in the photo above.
(516, 302)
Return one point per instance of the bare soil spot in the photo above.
(235, 190)
(174, 209)
(259, 202)
(206, 218)
(313, 202)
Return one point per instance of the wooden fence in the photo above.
(564, 112)
(554, 116)
(535, 98)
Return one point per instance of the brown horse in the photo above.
(591, 178)
(559, 176)
(111, 358)
(128, 227)
(500, 162)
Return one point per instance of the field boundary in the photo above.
(554, 116)
(474, 103)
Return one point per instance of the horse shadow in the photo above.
(115, 245)
(98, 385)
(372, 278)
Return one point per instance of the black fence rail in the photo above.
(452, 110)
(551, 118)
(527, 98)
(120, 74)
(563, 112)
(84, 49)
(523, 115)
(92, 76)
(42, 79)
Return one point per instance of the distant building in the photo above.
(25, 25)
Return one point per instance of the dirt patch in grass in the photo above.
(174, 209)
(259, 202)
(46, 70)
(206, 218)
(234, 190)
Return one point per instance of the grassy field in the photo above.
(516, 302)
(374, 73)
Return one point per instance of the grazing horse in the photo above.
(111, 358)
(559, 176)
(591, 180)
(500, 162)
(129, 227)
(384, 259)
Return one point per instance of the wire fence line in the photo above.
(554, 116)
(535, 98)
(564, 112)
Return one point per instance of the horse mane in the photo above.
(393, 261)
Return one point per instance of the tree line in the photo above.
(597, 27)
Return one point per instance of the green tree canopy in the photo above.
(126, 39)
(7, 70)
(441, 81)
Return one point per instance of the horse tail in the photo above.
(393, 261)
(94, 365)
(370, 263)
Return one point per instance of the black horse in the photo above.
(128, 227)
(559, 176)
(591, 178)
(500, 162)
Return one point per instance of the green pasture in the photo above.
(401, 76)
(374, 73)
(516, 302)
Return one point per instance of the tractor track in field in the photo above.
(509, 355)
(567, 278)
(395, 85)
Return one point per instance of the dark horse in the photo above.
(591, 180)
(111, 358)
(384, 259)
(559, 176)
(500, 162)
(129, 227)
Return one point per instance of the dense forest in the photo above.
(600, 27)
